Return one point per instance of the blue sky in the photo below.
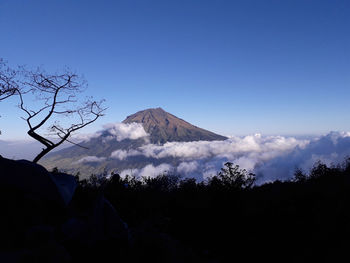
(233, 67)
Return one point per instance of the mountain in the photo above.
(96, 156)
(165, 127)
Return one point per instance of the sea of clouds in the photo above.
(203, 159)
(269, 157)
(330, 149)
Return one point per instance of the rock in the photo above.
(107, 222)
(66, 185)
(34, 179)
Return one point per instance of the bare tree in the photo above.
(56, 107)
(8, 83)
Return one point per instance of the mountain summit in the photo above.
(104, 152)
(164, 127)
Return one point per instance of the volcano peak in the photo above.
(163, 127)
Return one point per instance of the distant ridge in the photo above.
(165, 127)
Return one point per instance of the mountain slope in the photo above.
(165, 127)
(161, 126)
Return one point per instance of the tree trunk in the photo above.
(43, 152)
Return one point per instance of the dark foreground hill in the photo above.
(167, 220)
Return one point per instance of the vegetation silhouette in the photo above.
(170, 219)
(305, 219)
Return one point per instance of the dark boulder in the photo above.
(33, 179)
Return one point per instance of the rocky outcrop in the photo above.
(43, 220)
(33, 179)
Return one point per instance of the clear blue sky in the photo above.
(233, 67)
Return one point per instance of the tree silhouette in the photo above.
(8, 83)
(319, 169)
(299, 175)
(56, 98)
(232, 176)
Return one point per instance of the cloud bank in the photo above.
(202, 159)
(330, 149)
(255, 146)
(270, 157)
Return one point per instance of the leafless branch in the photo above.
(8, 84)
(74, 143)
(57, 94)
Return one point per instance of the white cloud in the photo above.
(123, 154)
(254, 147)
(148, 171)
(123, 131)
(332, 148)
(153, 171)
(91, 159)
(209, 173)
(187, 167)
(84, 137)
(118, 131)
